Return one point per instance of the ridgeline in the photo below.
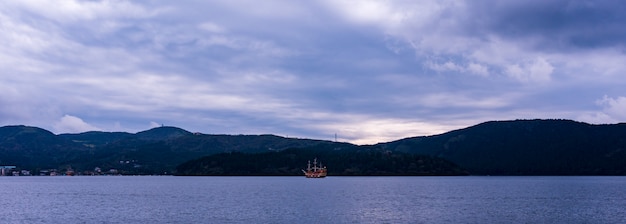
(520, 147)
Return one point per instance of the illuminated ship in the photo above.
(315, 171)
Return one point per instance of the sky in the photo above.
(367, 71)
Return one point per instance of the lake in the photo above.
(169, 199)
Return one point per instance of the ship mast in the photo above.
(308, 167)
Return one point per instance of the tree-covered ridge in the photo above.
(339, 163)
(31, 147)
(155, 151)
(520, 147)
(527, 147)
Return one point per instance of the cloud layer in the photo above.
(369, 71)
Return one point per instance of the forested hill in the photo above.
(155, 151)
(520, 147)
(361, 162)
(35, 147)
(527, 147)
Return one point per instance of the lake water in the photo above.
(168, 199)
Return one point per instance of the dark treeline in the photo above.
(339, 163)
(527, 147)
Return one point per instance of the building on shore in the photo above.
(6, 170)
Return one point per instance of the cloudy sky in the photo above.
(368, 71)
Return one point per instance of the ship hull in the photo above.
(315, 175)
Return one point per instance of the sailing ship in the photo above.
(315, 171)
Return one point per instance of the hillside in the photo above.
(32, 147)
(155, 151)
(160, 155)
(527, 147)
(96, 138)
(520, 147)
(290, 162)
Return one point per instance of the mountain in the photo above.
(527, 147)
(32, 147)
(160, 150)
(519, 147)
(155, 151)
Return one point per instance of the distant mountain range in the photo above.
(520, 147)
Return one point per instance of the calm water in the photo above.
(301, 200)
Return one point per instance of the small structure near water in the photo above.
(5, 170)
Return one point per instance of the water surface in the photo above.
(168, 199)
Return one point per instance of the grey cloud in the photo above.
(560, 25)
(306, 69)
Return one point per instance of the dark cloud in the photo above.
(560, 25)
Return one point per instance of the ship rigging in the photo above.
(315, 171)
